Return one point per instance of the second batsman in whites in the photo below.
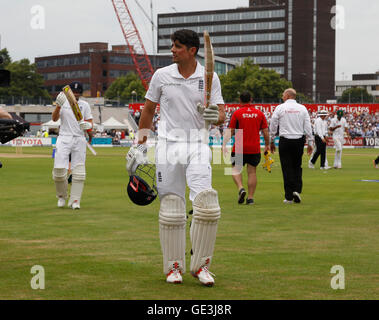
(71, 140)
(182, 158)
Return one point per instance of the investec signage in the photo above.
(371, 142)
(30, 142)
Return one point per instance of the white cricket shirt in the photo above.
(69, 125)
(293, 121)
(178, 98)
(339, 132)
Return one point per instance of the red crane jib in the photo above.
(133, 40)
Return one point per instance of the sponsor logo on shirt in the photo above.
(292, 111)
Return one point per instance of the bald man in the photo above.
(4, 114)
(294, 125)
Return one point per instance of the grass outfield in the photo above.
(110, 248)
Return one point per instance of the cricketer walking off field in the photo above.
(71, 140)
(182, 158)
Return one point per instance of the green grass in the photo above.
(110, 248)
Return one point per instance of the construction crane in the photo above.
(134, 41)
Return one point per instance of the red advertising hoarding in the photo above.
(269, 108)
(349, 142)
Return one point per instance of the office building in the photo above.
(293, 37)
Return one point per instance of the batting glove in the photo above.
(61, 99)
(85, 125)
(210, 114)
(136, 156)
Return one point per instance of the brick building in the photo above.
(95, 66)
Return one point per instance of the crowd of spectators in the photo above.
(360, 124)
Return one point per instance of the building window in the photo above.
(233, 16)
(166, 20)
(178, 20)
(235, 38)
(219, 17)
(205, 18)
(234, 27)
(248, 15)
(191, 19)
(219, 28)
(233, 50)
(278, 14)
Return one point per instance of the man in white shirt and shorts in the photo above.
(183, 158)
(71, 140)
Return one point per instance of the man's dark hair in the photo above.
(187, 37)
(245, 97)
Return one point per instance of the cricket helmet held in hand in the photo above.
(141, 187)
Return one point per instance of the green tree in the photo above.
(5, 57)
(25, 81)
(123, 87)
(263, 84)
(356, 95)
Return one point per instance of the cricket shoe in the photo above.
(61, 202)
(325, 168)
(74, 205)
(250, 201)
(296, 197)
(285, 201)
(311, 165)
(174, 276)
(204, 276)
(241, 196)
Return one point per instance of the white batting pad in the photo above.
(61, 184)
(206, 213)
(78, 178)
(172, 232)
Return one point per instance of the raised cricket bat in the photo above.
(209, 64)
(73, 103)
(76, 110)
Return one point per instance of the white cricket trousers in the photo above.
(66, 145)
(181, 163)
(338, 145)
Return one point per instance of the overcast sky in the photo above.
(69, 22)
